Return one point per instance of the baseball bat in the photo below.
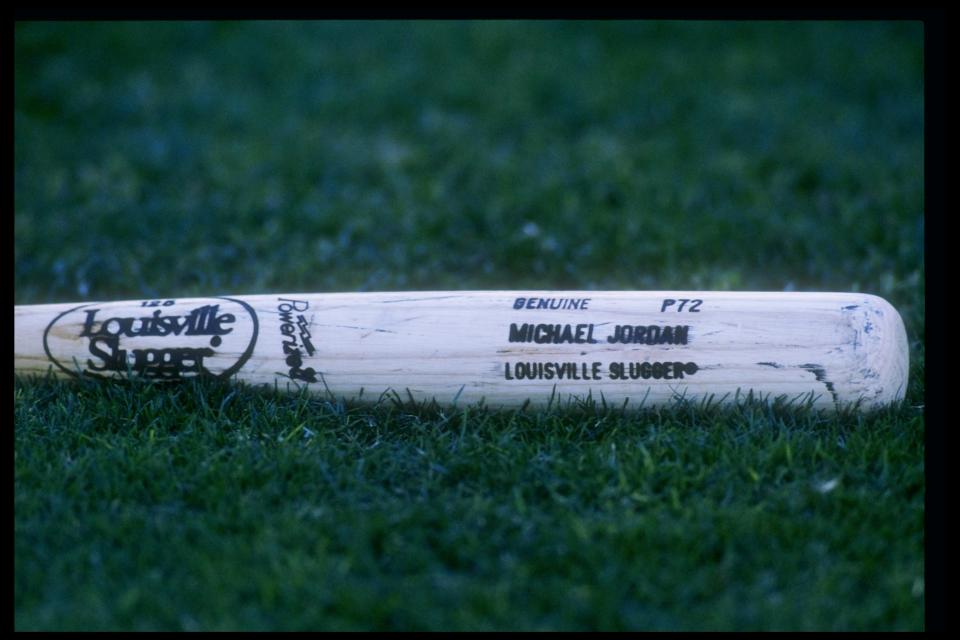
(508, 348)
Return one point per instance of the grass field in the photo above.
(177, 159)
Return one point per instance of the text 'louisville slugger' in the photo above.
(506, 347)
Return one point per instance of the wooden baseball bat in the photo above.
(505, 347)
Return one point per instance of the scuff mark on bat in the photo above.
(854, 326)
(369, 330)
(420, 299)
(771, 364)
(821, 375)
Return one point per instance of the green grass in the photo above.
(213, 507)
(175, 159)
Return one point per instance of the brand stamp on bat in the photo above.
(297, 340)
(158, 339)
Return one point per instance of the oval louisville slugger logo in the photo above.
(159, 339)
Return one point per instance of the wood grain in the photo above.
(506, 347)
